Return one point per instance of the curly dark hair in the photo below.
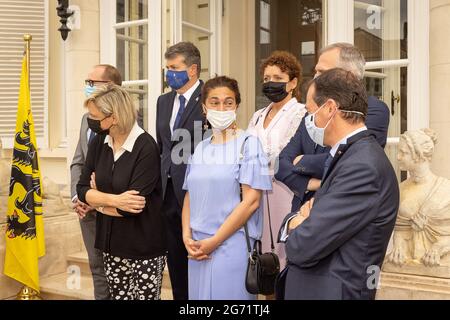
(221, 82)
(288, 63)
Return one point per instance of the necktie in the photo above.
(327, 165)
(91, 136)
(180, 113)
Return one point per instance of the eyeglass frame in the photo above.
(91, 83)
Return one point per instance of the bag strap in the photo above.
(247, 234)
(272, 245)
(247, 237)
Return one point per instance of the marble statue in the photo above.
(422, 230)
(53, 201)
(5, 174)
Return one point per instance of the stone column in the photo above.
(440, 82)
(82, 53)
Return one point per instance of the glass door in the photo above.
(197, 21)
(381, 33)
(292, 25)
(131, 41)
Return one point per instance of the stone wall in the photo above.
(62, 237)
(440, 82)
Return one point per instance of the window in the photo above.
(132, 51)
(292, 25)
(381, 32)
(199, 22)
(135, 33)
(16, 19)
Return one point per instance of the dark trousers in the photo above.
(177, 255)
(88, 227)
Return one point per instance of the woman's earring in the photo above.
(234, 128)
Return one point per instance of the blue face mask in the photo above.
(317, 134)
(177, 79)
(88, 90)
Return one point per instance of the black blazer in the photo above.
(181, 145)
(314, 156)
(332, 254)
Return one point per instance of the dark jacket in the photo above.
(314, 156)
(183, 143)
(333, 254)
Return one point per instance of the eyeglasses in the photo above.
(92, 83)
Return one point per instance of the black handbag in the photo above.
(262, 268)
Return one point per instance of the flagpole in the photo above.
(27, 293)
(27, 38)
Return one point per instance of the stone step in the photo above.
(81, 260)
(166, 280)
(56, 288)
(59, 287)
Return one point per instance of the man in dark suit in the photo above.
(99, 75)
(179, 129)
(302, 161)
(337, 242)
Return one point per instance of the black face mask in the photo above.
(275, 91)
(95, 126)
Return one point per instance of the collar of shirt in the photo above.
(344, 141)
(188, 94)
(176, 105)
(128, 145)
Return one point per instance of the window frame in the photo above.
(108, 27)
(340, 28)
(108, 50)
(43, 141)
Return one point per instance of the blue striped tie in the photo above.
(327, 165)
(180, 113)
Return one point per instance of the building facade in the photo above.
(406, 44)
(404, 41)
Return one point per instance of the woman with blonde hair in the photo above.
(121, 180)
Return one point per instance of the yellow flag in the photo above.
(25, 231)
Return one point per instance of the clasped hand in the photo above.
(200, 250)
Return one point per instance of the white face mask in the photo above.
(317, 134)
(221, 120)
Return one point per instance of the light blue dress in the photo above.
(213, 179)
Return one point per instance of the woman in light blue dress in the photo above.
(213, 213)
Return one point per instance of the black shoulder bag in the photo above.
(262, 268)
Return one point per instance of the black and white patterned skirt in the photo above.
(130, 279)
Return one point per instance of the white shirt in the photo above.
(128, 144)
(176, 105)
(285, 235)
(344, 140)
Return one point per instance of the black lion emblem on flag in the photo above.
(24, 155)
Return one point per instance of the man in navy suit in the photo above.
(179, 114)
(337, 242)
(302, 161)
